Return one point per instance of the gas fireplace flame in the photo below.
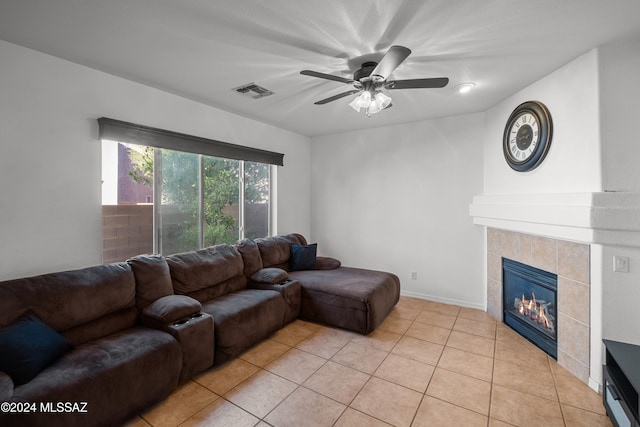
(533, 310)
(543, 319)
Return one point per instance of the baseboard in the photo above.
(467, 304)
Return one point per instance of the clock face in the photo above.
(524, 136)
(527, 136)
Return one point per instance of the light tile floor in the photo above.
(428, 364)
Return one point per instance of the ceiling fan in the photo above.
(371, 79)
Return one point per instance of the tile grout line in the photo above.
(493, 373)
(555, 387)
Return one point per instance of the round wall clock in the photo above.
(527, 136)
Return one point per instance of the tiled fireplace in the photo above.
(571, 263)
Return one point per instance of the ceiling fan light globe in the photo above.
(383, 100)
(374, 107)
(365, 99)
(355, 104)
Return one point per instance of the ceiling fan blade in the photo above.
(390, 61)
(326, 76)
(338, 96)
(418, 83)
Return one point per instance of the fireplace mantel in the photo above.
(607, 218)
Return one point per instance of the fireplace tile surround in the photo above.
(571, 262)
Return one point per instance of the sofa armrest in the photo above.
(6, 387)
(270, 276)
(327, 263)
(169, 309)
(290, 291)
(196, 337)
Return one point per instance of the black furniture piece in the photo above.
(620, 393)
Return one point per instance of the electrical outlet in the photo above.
(414, 275)
(621, 264)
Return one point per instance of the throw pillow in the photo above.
(28, 347)
(303, 257)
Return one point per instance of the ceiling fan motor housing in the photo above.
(364, 71)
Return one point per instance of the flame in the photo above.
(543, 318)
(534, 298)
(534, 311)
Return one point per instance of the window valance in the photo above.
(116, 130)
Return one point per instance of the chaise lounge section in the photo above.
(349, 298)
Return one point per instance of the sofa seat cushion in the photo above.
(242, 319)
(350, 298)
(6, 387)
(118, 376)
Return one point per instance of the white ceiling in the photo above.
(201, 49)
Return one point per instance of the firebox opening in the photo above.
(530, 304)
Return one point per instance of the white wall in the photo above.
(396, 198)
(573, 163)
(620, 93)
(50, 207)
(620, 296)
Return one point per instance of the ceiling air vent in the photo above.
(252, 90)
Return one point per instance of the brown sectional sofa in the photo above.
(137, 329)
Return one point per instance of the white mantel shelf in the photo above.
(607, 218)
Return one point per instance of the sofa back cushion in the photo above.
(81, 305)
(275, 251)
(153, 279)
(250, 255)
(207, 273)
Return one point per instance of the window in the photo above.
(198, 200)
